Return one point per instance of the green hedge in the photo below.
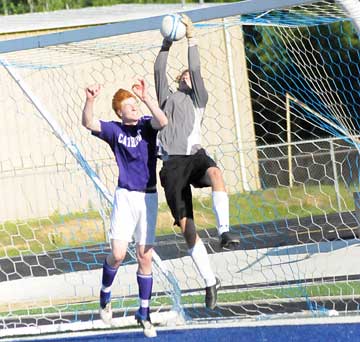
(8, 7)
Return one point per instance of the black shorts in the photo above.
(176, 176)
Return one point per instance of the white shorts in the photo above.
(134, 216)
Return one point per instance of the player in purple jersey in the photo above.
(134, 213)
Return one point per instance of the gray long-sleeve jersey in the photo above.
(184, 110)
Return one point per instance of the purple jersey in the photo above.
(134, 148)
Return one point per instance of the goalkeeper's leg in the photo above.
(220, 201)
(179, 198)
(199, 254)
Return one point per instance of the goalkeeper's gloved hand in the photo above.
(190, 31)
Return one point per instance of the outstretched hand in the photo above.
(140, 89)
(190, 31)
(92, 91)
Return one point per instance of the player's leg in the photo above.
(147, 205)
(175, 178)
(220, 201)
(121, 230)
(200, 257)
(145, 283)
(206, 173)
(197, 250)
(110, 267)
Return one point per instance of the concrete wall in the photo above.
(39, 176)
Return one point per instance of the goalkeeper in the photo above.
(185, 162)
(133, 142)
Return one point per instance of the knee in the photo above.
(144, 257)
(214, 173)
(190, 238)
(189, 231)
(118, 256)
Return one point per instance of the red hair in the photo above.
(119, 97)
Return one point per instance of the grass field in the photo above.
(335, 290)
(87, 228)
(80, 229)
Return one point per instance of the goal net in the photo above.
(281, 123)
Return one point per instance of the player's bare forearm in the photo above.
(88, 119)
(159, 119)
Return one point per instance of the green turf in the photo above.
(336, 290)
(47, 234)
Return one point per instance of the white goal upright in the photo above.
(282, 124)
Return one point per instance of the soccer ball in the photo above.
(172, 28)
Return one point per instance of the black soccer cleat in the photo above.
(229, 240)
(211, 295)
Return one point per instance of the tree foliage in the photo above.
(8, 7)
(329, 51)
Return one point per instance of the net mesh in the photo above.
(281, 124)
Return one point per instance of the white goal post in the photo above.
(147, 24)
(352, 8)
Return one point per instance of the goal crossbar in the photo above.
(147, 24)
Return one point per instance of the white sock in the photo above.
(202, 263)
(221, 209)
(105, 289)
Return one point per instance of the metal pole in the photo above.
(353, 10)
(103, 204)
(234, 98)
(288, 131)
(336, 181)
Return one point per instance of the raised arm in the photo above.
(88, 119)
(161, 81)
(159, 119)
(197, 82)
